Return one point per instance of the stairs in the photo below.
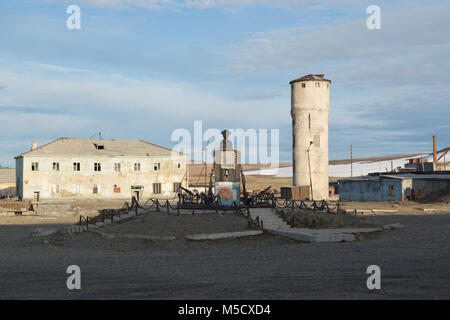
(269, 218)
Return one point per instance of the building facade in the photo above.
(392, 187)
(99, 169)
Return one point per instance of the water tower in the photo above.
(310, 109)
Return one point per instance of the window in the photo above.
(391, 190)
(55, 188)
(157, 188)
(117, 167)
(176, 186)
(76, 166)
(76, 188)
(56, 166)
(317, 85)
(179, 165)
(157, 166)
(96, 189)
(34, 166)
(99, 146)
(97, 167)
(303, 85)
(137, 167)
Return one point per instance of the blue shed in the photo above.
(371, 188)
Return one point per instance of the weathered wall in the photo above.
(310, 109)
(65, 183)
(371, 190)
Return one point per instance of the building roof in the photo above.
(402, 176)
(311, 77)
(99, 147)
(7, 175)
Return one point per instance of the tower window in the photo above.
(76, 166)
(97, 167)
(317, 85)
(56, 166)
(303, 85)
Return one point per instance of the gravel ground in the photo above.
(414, 262)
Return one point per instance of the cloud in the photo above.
(177, 4)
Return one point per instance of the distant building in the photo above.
(99, 169)
(7, 182)
(392, 187)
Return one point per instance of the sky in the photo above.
(140, 69)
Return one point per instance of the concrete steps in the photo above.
(269, 218)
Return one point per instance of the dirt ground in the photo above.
(315, 220)
(163, 224)
(414, 264)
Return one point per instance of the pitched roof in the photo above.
(7, 175)
(311, 77)
(89, 147)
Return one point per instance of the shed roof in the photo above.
(109, 147)
(7, 175)
(405, 176)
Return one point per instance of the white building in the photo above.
(99, 169)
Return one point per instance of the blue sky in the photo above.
(141, 69)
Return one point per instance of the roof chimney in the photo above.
(34, 145)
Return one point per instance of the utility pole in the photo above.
(351, 161)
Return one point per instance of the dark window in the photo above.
(137, 167)
(97, 167)
(117, 167)
(56, 166)
(157, 188)
(99, 146)
(76, 166)
(34, 166)
(176, 186)
(157, 166)
(303, 85)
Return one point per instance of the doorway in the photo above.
(36, 196)
(137, 192)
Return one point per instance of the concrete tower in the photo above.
(310, 109)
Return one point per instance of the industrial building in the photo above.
(99, 169)
(398, 187)
(7, 182)
(310, 109)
